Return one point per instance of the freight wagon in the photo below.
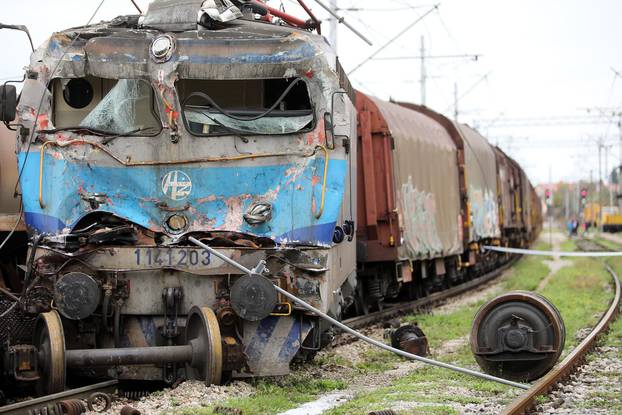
(136, 134)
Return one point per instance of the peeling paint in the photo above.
(288, 173)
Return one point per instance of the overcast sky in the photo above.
(538, 59)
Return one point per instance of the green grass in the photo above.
(331, 360)
(274, 395)
(606, 399)
(377, 361)
(579, 292)
(568, 246)
(609, 244)
(527, 273)
(423, 391)
(430, 384)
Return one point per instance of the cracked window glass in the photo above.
(249, 106)
(108, 106)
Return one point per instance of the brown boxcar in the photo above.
(509, 178)
(526, 201)
(408, 191)
(481, 183)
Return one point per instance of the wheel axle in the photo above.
(518, 336)
(202, 352)
(128, 356)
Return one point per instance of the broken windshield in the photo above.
(253, 106)
(118, 107)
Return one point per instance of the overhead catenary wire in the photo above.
(469, 89)
(137, 7)
(342, 20)
(394, 38)
(347, 329)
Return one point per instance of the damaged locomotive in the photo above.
(135, 134)
(138, 136)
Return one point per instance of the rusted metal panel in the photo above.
(516, 191)
(377, 225)
(420, 180)
(510, 191)
(481, 173)
(8, 173)
(536, 212)
(526, 201)
(505, 188)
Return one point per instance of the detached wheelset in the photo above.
(202, 351)
(518, 336)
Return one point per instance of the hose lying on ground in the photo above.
(261, 266)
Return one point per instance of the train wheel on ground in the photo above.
(203, 333)
(49, 339)
(518, 336)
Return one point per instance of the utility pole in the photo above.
(607, 179)
(567, 203)
(423, 75)
(591, 186)
(550, 207)
(334, 24)
(619, 187)
(600, 175)
(456, 101)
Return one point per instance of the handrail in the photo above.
(326, 159)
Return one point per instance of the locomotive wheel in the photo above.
(203, 333)
(49, 339)
(518, 336)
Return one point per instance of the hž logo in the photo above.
(176, 184)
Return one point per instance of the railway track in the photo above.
(96, 395)
(50, 404)
(406, 307)
(526, 401)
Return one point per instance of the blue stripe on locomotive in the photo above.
(218, 199)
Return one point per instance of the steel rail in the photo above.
(526, 401)
(38, 404)
(366, 319)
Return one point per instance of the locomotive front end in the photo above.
(136, 135)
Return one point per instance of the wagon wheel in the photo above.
(203, 333)
(49, 339)
(519, 336)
